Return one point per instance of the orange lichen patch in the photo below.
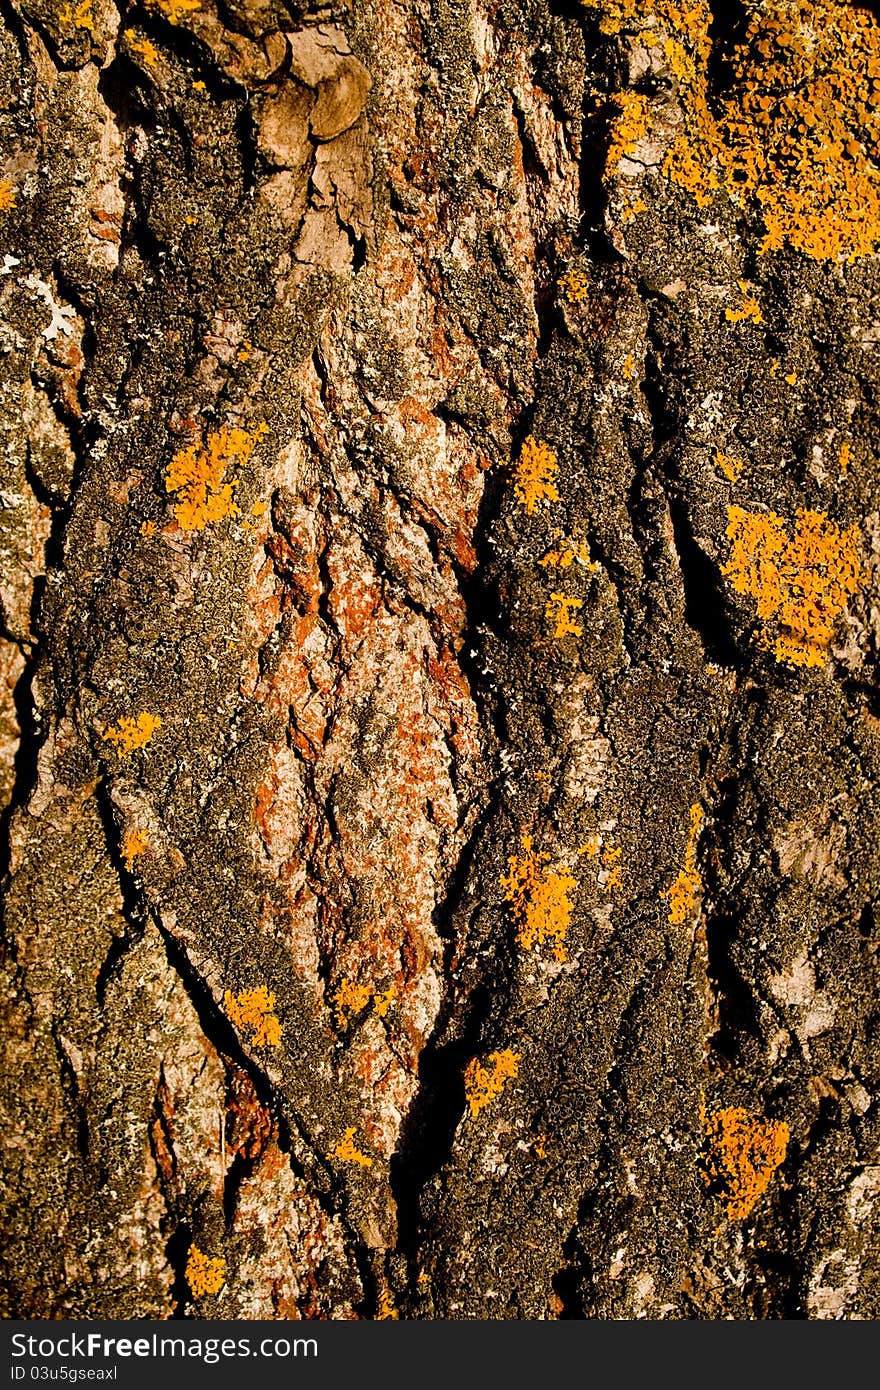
(801, 585)
(630, 125)
(744, 1152)
(80, 16)
(539, 897)
(534, 473)
(386, 1309)
(539, 1146)
(844, 457)
(566, 554)
(628, 370)
(482, 1084)
(383, 1001)
(611, 872)
(8, 195)
(205, 1274)
(148, 528)
(196, 476)
(129, 734)
(173, 10)
(687, 887)
(684, 167)
(245, 351)
(609, 867)
(749, 309)
(729, 466)
(346, 1151)
(574, 285)
(632, 210)
(146, 50)
(252, 1009)
(350, 999)
(133, 845)
(796, 137)
(558, 611)
(803, 136)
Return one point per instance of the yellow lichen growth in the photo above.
(629, 126)
(686, 889)
(129, 734)
(148, 51)
(205, 1274)
(632, 210)
(8, 195)
(729, 466)
(252, 1009)
(568, 553)
(844, 458)
(611, 872)
(196, 476)
(80, 16)
(386, 1309)
(803, 135)
(539, 1147)
(801, 585)
(148, 528)
(482, 1084)
(749, 309)
(610, 868)
(792, 379)
(574, 284)
(743, 1154)
(796, 134)
(350, 999)
(383, 1002)
(535, 470)
(133, 845)
(539, 897)
(684, 166)
(558, 611)
(346, 1151)
(173, 10)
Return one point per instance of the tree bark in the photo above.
(440, 837)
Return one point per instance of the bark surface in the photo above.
(438, 668)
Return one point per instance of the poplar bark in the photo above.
(341, 230)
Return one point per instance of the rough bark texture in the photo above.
(369, 259)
